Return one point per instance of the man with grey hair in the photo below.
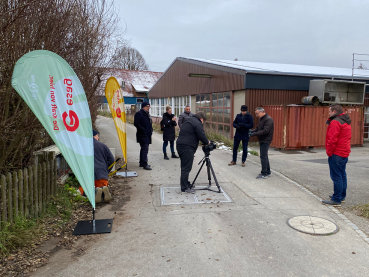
(264, 132)
(186, 114)
(191, 133)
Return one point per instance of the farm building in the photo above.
(135, 85)
(220, 87)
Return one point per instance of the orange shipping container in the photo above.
(299, 127)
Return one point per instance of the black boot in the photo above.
(166, 156)
(174, 155)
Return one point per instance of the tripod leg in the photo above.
(215, 178)
(197, 174)
(208, 170)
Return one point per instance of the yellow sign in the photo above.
(114, 95)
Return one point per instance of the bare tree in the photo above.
(127, 57)
(80, 31)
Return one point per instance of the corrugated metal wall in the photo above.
(297, 127)
(176, 82)
(260, 97)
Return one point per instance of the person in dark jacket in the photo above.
(264, 131)
(338, 149)
(169, 132)
(143, 124)
(103, 158)
(192, 131)
(243, 123)
(186, 114)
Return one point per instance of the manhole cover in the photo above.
(312, 225)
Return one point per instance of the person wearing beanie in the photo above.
(103, 158)
(168, 124)
(242, 123)
(143, 124)
(192, 131)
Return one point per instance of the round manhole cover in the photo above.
(312, 225)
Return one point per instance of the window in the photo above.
(154, 107)
(178, 104)
(217, 108)
(139, 100)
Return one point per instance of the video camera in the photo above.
(209, 147)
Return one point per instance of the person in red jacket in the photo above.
(338, 148)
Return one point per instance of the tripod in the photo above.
(206, 160)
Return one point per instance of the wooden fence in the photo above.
(25, 193)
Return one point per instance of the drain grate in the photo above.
(174, 196)
(312, 225)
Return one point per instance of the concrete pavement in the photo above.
(310, 169)
(248, 237)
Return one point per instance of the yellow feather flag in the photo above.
(115, 99)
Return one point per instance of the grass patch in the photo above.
(362, 210)
(255, 153)
(106, 114)
(27, 232)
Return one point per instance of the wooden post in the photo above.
(39, 185)
(48, 179)
(35, 189)
(55, 176)
(3, 199)
(52, 187)
(21, 195)
(10, 197)
(31, 192)
(15, 195)
(44, 186)
(26, 193)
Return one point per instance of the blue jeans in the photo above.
(165, 144)
(236, 143)
(337, 168)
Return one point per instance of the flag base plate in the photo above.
(127, 174)
(87, 228)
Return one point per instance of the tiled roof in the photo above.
(135, 80)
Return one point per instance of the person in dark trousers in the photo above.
(169, 132)
(338, 149)
(186, 114)
(243, 123)
(143, 124)
(103, 158)
(191, 133)
(264, 131)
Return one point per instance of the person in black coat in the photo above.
(192, 131)
(243, 122)
(169, 124)
(143, 124)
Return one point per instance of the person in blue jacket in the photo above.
(243, 122)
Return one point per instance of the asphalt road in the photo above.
(248, 237)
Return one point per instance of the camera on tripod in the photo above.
(209, 147)
(209, 168)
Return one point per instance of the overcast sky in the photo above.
(308, 32)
